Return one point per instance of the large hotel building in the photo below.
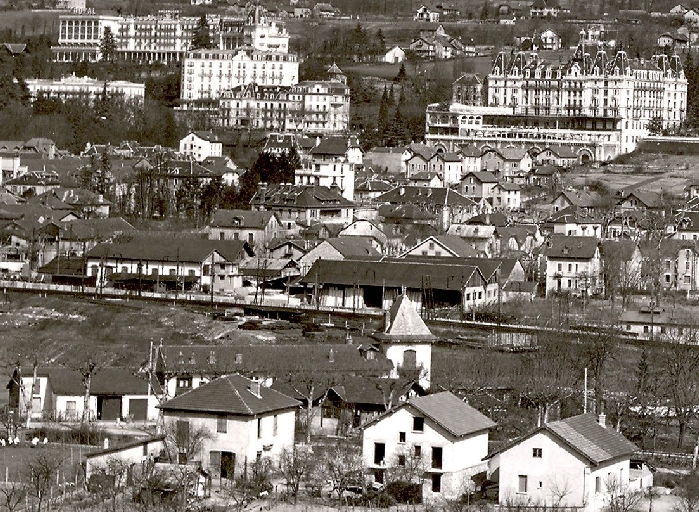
(595, 104)
(162, 38)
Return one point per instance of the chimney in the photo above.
(239, 359)
(106, 443)
(261, 191)
(401, 191)
(331, 355)
(387, 320)
(212, 357)
(602, 420)
(348, 338)
(255, 387)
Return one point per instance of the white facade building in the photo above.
(201, 145)
(601, 105)
(207, 73)
(164, 37)
(84, 87)
(435, 440)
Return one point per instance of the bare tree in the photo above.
(600, 351)
(680, 365)
(560, 487)
(619, 497)
(294, 465)
(12, 496)
(312, 386)
(184, 442)
(406, 465)
(688, 494)
(41, 474)
(343, 466)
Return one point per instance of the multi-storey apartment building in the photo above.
(207, 73)
(83, 87)
(599, 105)
(164, 37)
(314, 107)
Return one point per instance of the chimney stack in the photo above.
(255, 387)
(602, 420)
(331, 355)
(387, 320)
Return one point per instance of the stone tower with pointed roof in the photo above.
(407, 342)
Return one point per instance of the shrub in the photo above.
(404, 492)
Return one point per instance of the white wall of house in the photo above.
(128, 457)
(198, 148)
(395, 352)
(578, 229)
(458, 454)
(525, 478)
(575, 275)
(245, 436)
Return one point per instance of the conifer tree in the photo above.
(202, 35)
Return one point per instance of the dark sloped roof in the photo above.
(448, 411)
(457, 245)
(106, 381)
(425, 195)
(241, 219)
(94, 229)
(230, 395)
(393, 273)
(357, 389)
(624, 249)
(278, 360)
(331, 146)
(301, 196)
(584, 435)
(169, 249)
(139, 441)
(455, 416)
(489, 219)
(354, 247)
(404, 323)
(482, 176)
(572, 247)
(64, 266)
(597, 443)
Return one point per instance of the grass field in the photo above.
(14, 460)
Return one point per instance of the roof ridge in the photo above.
(237, 393)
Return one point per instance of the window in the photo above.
(418, 424)
(275, 425)
(417, 451)
(437, 482)
(259, 428)
(184, 382)
(537, 453)
(401, 437)
(522, 483)
(401, 460)
(222, 424)
(436, 457)
(598, 484)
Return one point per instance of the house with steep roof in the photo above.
(59, 394)
(509, 163)
(448, 166)
(583, 200)
(300, 206)
(643, 201)
(130, 454)
(332, 163)
(337, 249)
(479, 185)
(255, 227)
(442, 246)
(33, 183)
(580, 455)
(84, 203)
(447, 205)
(507, 196)
(470, 158)
(366, 229)
(418, 160)
(201, 145)
(370, 189)
(574, 221)
(244, 422)
(168, 263)
(437, 441)
(428, 179)
(80, 235)
(395, 55)
(550, 40)
(425, 13)
(560, 156)
(573, 264)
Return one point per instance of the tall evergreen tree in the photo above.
(202, 35)
(108, 46)
(391, 97)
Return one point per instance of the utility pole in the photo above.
(211, 272)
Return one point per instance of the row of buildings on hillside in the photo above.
(598, 104)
